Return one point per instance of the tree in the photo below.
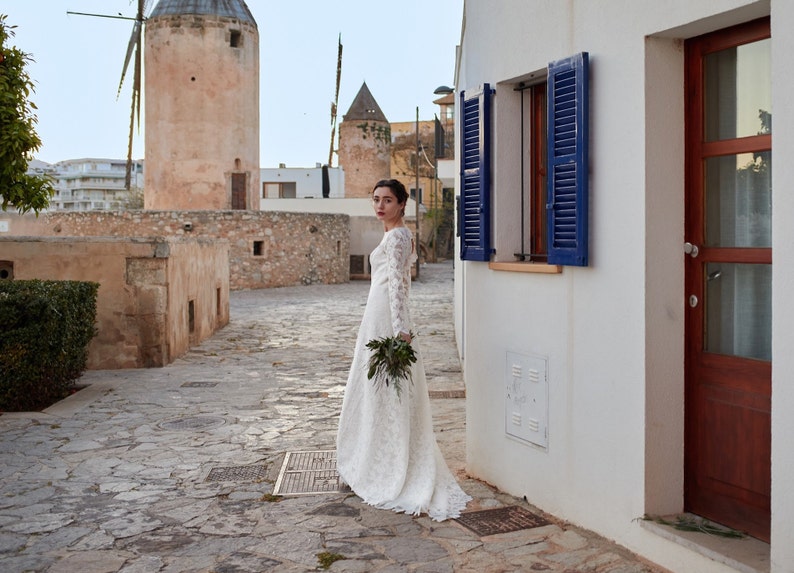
(133, 199)
(18, 138)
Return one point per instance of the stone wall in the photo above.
(266, 249)
(157, 297)
(364, 154)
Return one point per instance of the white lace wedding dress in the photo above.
(386, 450)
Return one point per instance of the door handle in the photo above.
(691, 250)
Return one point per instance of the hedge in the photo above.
(45, 329)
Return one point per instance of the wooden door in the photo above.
(729, 278)
(238, 191)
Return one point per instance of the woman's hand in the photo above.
(406, 337)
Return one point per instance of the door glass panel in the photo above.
(738, 91)
(738, 319)
(739, 200)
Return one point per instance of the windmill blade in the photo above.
(335, 103)
(135, 107)
(338, 70)
(135, 114)
(135, 40)
(133, 47)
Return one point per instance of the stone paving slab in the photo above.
(115, 477)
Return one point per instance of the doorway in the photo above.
(728, 277)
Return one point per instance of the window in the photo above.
(549, 210)
(191, 316)
(289, 190)
(286, 190)
(234, 38)
(533, 229)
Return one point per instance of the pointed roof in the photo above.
(226, 8)
(364, 107)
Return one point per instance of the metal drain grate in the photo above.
(238, 473)
(500, 520)
(309, 473)
(193, 423)
(446, 393)
(199, 385)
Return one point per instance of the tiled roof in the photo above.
(227, 8)
(364, 107)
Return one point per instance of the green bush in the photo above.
(45, 328)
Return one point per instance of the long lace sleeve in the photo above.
(399, 249)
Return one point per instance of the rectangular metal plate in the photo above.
(500, 520)
(309, 473)
(237, 473)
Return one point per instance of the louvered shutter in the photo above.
(567, 203)
(474, 212)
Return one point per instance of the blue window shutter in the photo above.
(568, 181)
(474, 211)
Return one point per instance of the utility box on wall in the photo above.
(527, 398)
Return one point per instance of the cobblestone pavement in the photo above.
(119, 477)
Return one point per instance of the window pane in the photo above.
(541, 160)
(739, 200)
(738, 91)
(738, 318)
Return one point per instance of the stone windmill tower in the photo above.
(364, 145)
(201, 63)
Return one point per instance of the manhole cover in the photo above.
(446, 393)
(193, 423)
(308, 473)
(500, 520)
(199, 384)
(237, 473)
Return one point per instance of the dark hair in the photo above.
(396, 187)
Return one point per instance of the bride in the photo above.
(386, 450)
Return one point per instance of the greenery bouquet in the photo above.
(390, 362)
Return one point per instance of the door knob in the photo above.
(691, 250)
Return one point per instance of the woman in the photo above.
(386, 450)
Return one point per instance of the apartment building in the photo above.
(92, 184)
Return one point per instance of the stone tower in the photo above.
(364, 145)
(202, 106)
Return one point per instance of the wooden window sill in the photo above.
(527, 267)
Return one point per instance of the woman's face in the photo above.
(387, 209)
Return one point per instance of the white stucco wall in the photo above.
(613, 332)
(308, 181)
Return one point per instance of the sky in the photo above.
(402, 49)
